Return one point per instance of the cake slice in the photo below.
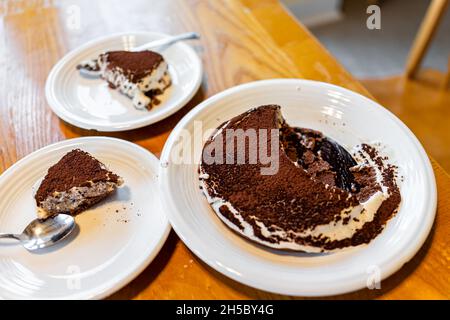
(319, 199)
(73, 184)
(140, 75)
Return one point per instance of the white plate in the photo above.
(90, 104)
(109, 249)
(341, 114)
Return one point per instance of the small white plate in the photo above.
(90, 104)
(115, 240)
(347, 117)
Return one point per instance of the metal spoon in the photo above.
(167, 41)
(40, 234)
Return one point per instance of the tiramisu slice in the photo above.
(73, 184)
(139, 75)
(320, 198)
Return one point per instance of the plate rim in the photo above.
(58, 108)
(107, 289)
(388, 269)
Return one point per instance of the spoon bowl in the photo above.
(41, 234)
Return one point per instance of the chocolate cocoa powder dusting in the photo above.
(135, 65)
(318, 183)
(290, 193)
(76, 169)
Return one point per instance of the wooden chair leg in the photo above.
(424, 35)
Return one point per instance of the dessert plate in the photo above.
(90, 104)
(114, 241)
(348, 118)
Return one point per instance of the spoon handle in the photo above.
(10, 236)
(168, 41)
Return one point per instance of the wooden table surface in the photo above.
(242, 41)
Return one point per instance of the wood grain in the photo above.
(422, 104)
(242, 40)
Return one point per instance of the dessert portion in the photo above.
(74, 184)
(140, 75)
(321, 198)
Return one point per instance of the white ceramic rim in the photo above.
(387, 269)
(59, 110)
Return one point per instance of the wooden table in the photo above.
(242, 40)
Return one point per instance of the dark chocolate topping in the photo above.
(320, 156)
(76, 169)
(134, 65)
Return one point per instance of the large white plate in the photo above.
(341, 114)
(109, 248)
(90, 104)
